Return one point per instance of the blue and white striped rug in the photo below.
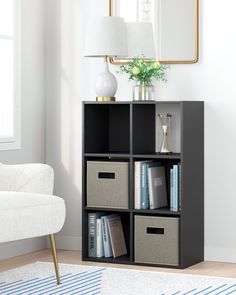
(38, 278)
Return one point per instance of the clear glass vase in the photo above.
(142, 91)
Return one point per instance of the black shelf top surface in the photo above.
(107, 102)
(158, 156)
(127, 155)
(160, 211)
(142, 102)
(106, 209)
(105, 155)
(130, 102)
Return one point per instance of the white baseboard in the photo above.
(220, 254)
(211, 253)
(67, 243)
(13, 249)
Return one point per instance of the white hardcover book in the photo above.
(137, 185)
(157, 187)
(100, 251)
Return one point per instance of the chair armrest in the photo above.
(33, 178)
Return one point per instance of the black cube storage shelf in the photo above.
(126, 131)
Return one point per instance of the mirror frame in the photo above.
(196, 40)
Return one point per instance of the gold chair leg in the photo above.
(54, 255)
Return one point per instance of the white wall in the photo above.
(32, 106)
(70, 79)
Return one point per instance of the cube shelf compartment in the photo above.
(104, 131)
(127, 131)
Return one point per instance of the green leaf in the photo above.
(147, 70)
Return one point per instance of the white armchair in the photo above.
(27, 207)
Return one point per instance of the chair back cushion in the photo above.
(33, 178)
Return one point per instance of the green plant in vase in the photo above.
(143, 72)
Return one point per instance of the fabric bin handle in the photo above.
(106, 175)
(155, 231)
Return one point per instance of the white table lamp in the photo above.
(106, 37)
(140, 40)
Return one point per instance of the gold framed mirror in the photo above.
(175, 26)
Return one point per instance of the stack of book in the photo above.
(150, 185)
(105, 235)
(175, 188)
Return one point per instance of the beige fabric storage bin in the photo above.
(157, 240)
(107, 184)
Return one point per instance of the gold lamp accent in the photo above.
(105, 98)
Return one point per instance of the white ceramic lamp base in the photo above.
(106, 85)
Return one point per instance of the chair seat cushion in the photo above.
(27, 215)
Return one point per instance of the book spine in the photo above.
(99, 239)
(144, 186)
(150, 189)
(137, 181)
(106, 239)
(117, 238)
(175, 188)
(147, 189)
(180, 188)
(91, 236)
(171, 189)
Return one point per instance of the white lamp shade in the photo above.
(106, 36)
(140, 40)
